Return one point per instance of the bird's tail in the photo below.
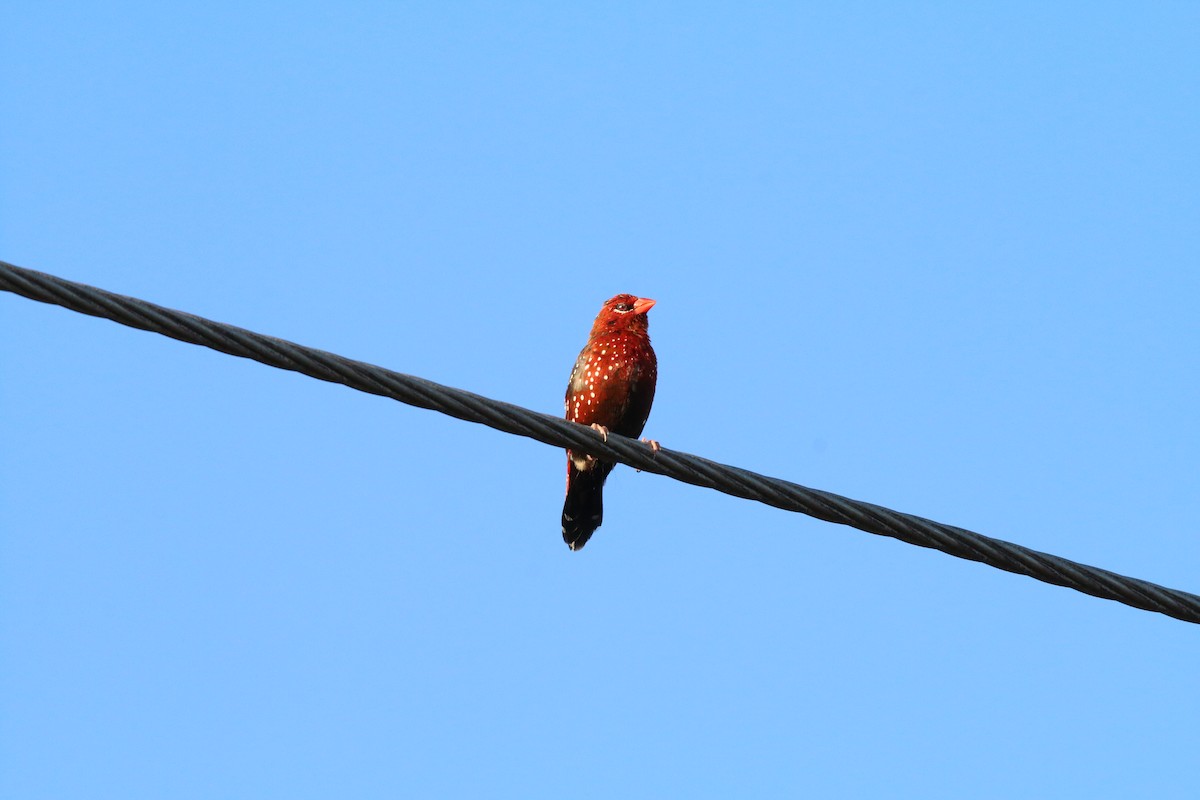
(583, 510)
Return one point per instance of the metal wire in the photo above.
(561, 433)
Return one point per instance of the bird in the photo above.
(611, 389)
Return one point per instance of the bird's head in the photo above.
(625, 312)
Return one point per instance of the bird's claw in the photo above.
(654, 447)
(600, 429)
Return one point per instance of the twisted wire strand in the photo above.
(561, 433)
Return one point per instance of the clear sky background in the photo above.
(940, 258)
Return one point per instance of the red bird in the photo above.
(611, 389)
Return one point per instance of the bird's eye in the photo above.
(623, 307)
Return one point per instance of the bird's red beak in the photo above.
(642, 305)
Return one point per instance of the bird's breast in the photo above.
(609, 373)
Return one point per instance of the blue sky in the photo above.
(940, 258)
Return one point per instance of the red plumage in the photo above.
(611, 389)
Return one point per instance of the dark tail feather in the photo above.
(583, 510)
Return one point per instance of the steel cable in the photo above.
(561, 433)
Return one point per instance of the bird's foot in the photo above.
(603, 431)
(654, 446)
